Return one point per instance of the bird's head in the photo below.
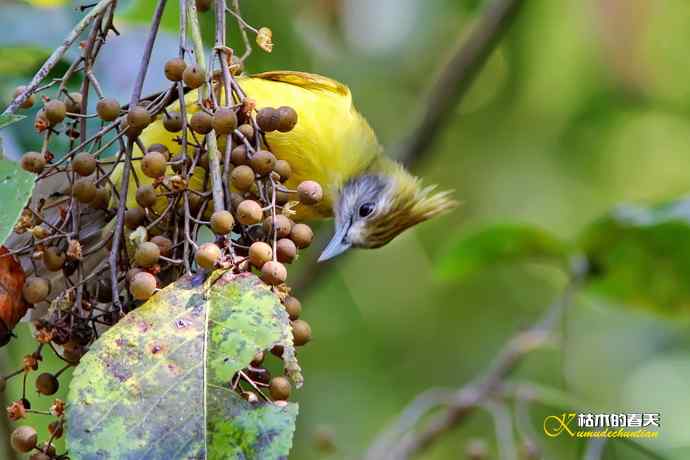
(373, 208)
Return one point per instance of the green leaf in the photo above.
(157, 384)
(9, 119)
(16, 186)
(641, 256)
(500, 244)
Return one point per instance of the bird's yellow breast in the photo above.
(330, 143)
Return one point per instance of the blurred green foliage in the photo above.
(641, 255)
(584, 105)
(500, 244)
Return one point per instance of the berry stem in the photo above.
(211, 141)
(186, 256)
(124, 185)
(243, 30)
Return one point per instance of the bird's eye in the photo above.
(366, 209)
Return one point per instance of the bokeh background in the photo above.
(585, 104)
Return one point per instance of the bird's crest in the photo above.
(408, 203)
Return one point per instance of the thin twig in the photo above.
(503, 424)
(55, 57)
(124, 185)
(211, 141)
(243, 31)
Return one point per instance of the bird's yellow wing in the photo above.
(307, 81)
(330, 144)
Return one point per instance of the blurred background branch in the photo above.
(399, 442)
(452, 82)
(456, 77)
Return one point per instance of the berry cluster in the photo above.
(91, 279)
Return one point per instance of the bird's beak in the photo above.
(337, 245)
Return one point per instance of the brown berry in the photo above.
(138, 117)
(39, 456)
(293, 307)
(283, 169)
(203, 5)
(201, 122)
(142, 286)
(263, 162)
(134, 217)
(56, 428)
(146, 196)
(249, 212)
(286, 251)
(242, 177)
(101, 199)
(301, 332)
(193, 76)
(73, 355)
(84, 164)
(287, 119)
(41, 123)
(260, 253)
(29, 102)
(195, 202)
(164, 244)
(161, 149)
(174, 68)
(84, 190)
(239, 156)
(147, 254)
(53, 258)
(280, 388)
(267, 119)
(47, 384)
(222, 222)
(273, 273)
(48, 448)
(224, 121)
(309, 192)
(24, 438)
(154, 164)
(33, 162)
(132, 272)
(130, 131)
(108, 109)
(173, 122)
(283, 225)
(207, 255)
(55, 111)
(35, 289)
(247, 131)
(73, 102)
(302, 235)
